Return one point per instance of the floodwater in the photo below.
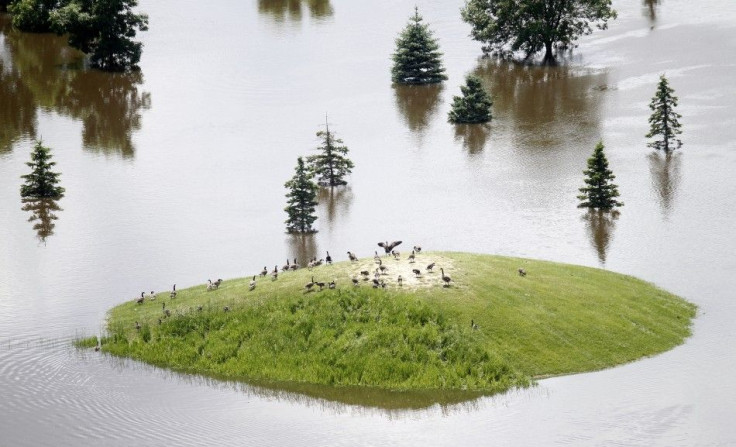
(175, 175)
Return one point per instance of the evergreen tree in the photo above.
(300, 200)
(599, 193)
(331, 165)
(474, 106)
(417, 59)
(41, 182)
(664, 120)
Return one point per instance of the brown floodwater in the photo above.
(175, 174)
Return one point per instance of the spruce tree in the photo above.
(664, 124)
(599, 192)
(331, 165)
(474, 106)
(42, 181)
(301, 200)
(417, 59)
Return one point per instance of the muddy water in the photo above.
(175, 175)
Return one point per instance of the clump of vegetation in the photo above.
(600, 192)
(530, 26)
(301, 200)
(474, 106)
(491, 330)
(32, 15)
(664, 122)
(417, 59)
(331, 165)
(42, 182)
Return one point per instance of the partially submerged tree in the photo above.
(331, 165)
(42, 182)
(417, 59)
(664, 124)
(103, 29)
(529, 26)
(474, 106)
(599, 193)
(300, 200)
(32, 15)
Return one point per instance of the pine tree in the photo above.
(301, 200)
(417, 59)
(664, 120)
(41, 182)
(331, 165)
(474, 106)
(599, 193)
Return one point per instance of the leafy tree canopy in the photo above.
(507, 26)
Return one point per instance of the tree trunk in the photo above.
(549, 58)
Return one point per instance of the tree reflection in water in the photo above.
(600, 226)
(335, 202)
(665, 170)
(42, 215)
(473, 136)
(42, 71)
(303, 247)
(417, 104)
(650, 9)
(282, 11)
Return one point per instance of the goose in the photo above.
(328, 259)
(417, 272)
(376, 283)
(376, 274)
(417, 248)
(473, 326)
(142, 298)
(163, 305)
(377, 258)
(173, 292)
(264, 272)
(274, 275)
(388, 247)
(320, 285)
(152, 296)
(411, 257)
(522, 272)
(355, 281)
(310, 265)
(167, 312)
(383, 269)
(353, 257)
(252, 284)
(365, 273)
(159, 321)
(430, 267)
(226, 308)
(331, 284)
(285, 268)
(98, 347)
(137, 326)
(210, 286)
(217, 283)
(383, 284)
(445, 278)
(318, 263)
(400, 280)
(199, 308)
(309, 285)
(295, 265)
(396, 255)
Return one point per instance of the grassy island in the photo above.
(489, 330)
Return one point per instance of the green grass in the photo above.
(558, 319)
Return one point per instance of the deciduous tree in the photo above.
(507, 26)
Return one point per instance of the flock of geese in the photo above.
(376, 281)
